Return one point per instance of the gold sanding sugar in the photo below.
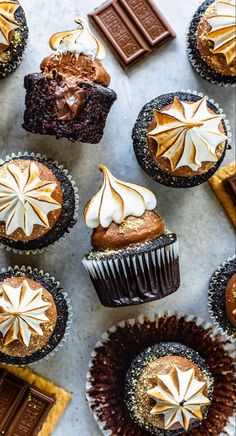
(5, 57)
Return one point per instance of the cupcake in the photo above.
(134, 258)
(165, 374)
(211, 42)
(34, 315)
(167, 392)
(38, 203)
(180, 139)
(222, 298)
(13, 36)
(70, 98)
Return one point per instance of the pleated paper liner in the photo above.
(198, 63)
(113, 354)
(136, 275)
(216, 298)
(64, 314)
(50, 238)
(142, 151)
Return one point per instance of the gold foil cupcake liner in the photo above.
(31, 360)
(75, 189)
(113, 353)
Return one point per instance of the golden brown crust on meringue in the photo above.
(216, 61)
(147, 381)
(133, 230)
(230, 300)
(16, 348)
(83, 68)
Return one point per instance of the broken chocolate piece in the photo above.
(230, 186)
(23, 409)
(133, 28)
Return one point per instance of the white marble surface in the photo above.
(205, 233)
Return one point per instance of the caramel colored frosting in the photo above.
(223, 29)
(187, 134)
(28, 316)
(133, 230)
(172, 393)
(30, 200)
(230, 300)
(8, 24)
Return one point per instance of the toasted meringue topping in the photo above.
(80, 40)
(22, 311)
(117, 200)
(223, 29)
(25, 199)
(179, 397)
(187, 134)
(7, 21)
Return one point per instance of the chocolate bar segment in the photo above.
(133, 28)
(230, 186)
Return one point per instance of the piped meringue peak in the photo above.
(179, 397)
(25, 199)
(7, 21)
(223, 29)
(187, 133)
(22, 311)
(117, 200)
(78, 41)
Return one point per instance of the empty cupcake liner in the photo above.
(198, 63)
(216, 298)
(135, 278)
(114, 352)
(141, 148)
(64, 317)
(75, 216)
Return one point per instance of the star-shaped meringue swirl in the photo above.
(179, 397)
(7, 21)
(25, 199)
(22, 310)
(187, 134)
(223, 29)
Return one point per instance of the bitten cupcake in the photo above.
(222, 298)
(38, 203)
(70, 98)
(168, 389)
(135, 259)
(13, 36)
(180, 139)
(211, 41)
(34, 315)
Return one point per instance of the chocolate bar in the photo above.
(230, 186)
(23, 409)
(132, 28)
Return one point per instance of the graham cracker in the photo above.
(216, 182)
(62, 397)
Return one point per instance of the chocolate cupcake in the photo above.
(211, 42)
(13, 36)
(222, 298)
(38, 203)
(168, 389)
(180, 139)
(172, 346)
(135, 259)
(70, 98)
(34, 315)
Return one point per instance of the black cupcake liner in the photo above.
(198, 63)
(119, 346)
(143, 154)
(147, 356)
(66, 220)
(16, 52)
(216, 298)
(64, 314)
(136, 275)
